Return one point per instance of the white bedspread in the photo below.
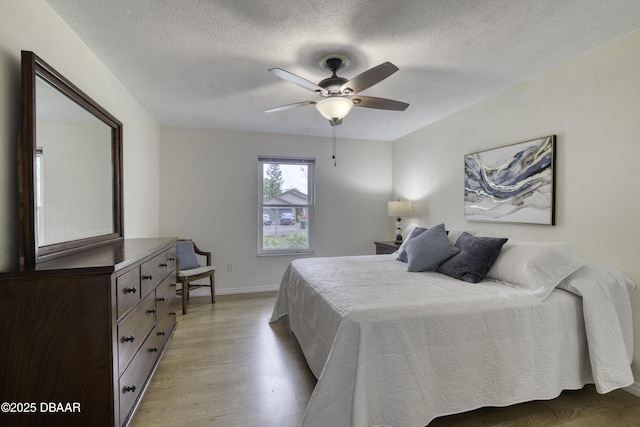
(400, 349)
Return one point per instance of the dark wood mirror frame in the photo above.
(31, 252)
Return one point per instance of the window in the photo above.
(39, 194)
(285, 213)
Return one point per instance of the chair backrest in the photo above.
(186, 255)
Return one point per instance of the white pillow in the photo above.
(535, 267)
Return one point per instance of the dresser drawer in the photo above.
(166, 296)
(153, 272)
(134, 329)
(133, 379)
(164, 328)
(157, 340)
(128, 291)
(171, 259)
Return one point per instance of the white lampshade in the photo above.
(334, 107)
(399, 208)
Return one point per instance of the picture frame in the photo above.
(513, 183)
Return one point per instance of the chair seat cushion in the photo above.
(196, 271)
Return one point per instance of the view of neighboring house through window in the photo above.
(286, 205)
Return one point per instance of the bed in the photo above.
(398, 348)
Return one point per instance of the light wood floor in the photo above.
(227, 366)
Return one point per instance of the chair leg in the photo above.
(212, 280)
(185, 296)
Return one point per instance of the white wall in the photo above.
(593, 105)
(72, 152)
(32, 25)
(210, 193)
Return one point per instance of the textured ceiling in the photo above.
(203, 63)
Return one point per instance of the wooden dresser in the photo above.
(82, 335)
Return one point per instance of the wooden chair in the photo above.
(190, 270)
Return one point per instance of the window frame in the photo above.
(310, 206)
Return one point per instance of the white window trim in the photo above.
(310, 162)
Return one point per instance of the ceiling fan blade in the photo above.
(368, 78)
(285, 75)
(379, 103)
(289, 106)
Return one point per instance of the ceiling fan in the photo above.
(339, 94)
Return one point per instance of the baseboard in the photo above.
(234, 291)
(634, 389)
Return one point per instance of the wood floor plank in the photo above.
(228, 367)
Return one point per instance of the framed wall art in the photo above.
(514, 183)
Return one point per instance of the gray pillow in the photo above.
(429, 249)
(476, 256)
(186, 255)
(402, 256)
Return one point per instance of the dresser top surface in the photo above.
(102, 259)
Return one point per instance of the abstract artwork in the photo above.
(511, 184)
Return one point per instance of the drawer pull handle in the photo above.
(147, 277)
(130, 290)
(164, 264)
(162, 299)
(173, 313)
(161, 334)
(172, 259)
(173, 285)
(131, 388)
(151, 311)
(153, 350)
(128, 339)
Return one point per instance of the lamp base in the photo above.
(398, 231)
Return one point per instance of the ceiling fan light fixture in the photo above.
(334, 107)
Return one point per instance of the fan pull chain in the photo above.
(334, 146)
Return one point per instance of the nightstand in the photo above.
(386, 247)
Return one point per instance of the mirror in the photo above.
(70, 167)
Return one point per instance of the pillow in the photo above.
(186, 255)
(402, 250)
(535, 267)
(454, 235)
(476, 256)
(429, 249)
